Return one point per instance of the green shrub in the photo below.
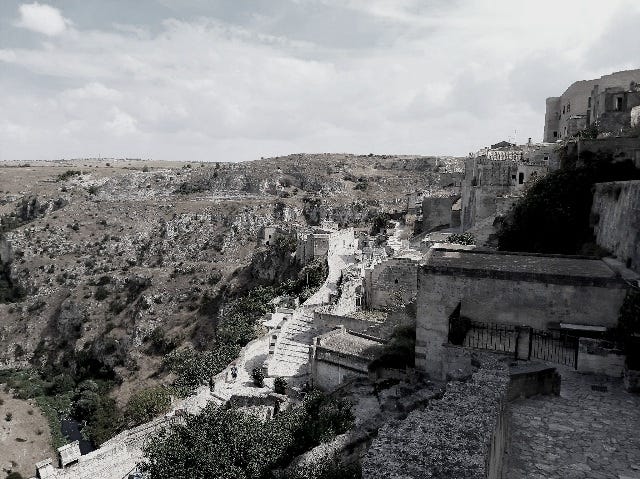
(399, 352)
(280, 385)
(462, 238)
(147, 404)
(68, 174)
(554, 214)
(14, 475)
(101, 293)
(629, 327)
(251, 448)
(258, 377)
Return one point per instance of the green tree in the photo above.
(147, 404)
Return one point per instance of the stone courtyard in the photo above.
(584, 433)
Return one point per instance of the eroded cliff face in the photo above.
(106, 254)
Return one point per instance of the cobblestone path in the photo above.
(583, 433)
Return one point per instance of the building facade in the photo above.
(586, 102)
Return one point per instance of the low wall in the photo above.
(379, 329)
(470, 415)
(531, 379)
(597, 356)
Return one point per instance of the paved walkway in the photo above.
(583, 433)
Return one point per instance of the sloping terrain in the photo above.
(106, 266)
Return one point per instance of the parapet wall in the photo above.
(462, 435)
(391, 283)
(616, 217)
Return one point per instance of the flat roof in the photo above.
(352, 344)
(522, 266)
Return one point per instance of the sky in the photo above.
(235, 80)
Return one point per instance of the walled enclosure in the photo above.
(616, 218)
(463, 435)
(509, 288)
(390, 283)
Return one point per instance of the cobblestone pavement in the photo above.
(583, 433)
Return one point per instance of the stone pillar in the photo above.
(523, 346)
(435, 303)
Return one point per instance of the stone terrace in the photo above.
(581, 434)
(573, 270)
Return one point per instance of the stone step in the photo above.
(293, 355)
(295, 345)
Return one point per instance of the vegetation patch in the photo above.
(554, 214)
(228, 443)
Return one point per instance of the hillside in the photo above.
(96, 255)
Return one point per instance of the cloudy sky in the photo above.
(232, 80)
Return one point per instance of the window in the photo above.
(396, 281)
(520, 178)
(618, 103)
(513, 177)
(568, 107)
(563, 108)
(555, 134)
(589, 102)
(546, 158)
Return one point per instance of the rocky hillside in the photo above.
(95, 256)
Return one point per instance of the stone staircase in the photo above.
(290, 353)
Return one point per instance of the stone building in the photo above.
(392, 282)
(339, 355)
(517, 289)
(316, 243)
(587, 101)
(494, 177)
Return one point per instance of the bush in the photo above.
(101, 293)
(258, 377)
(280, 385)
(463, 238)
(68, 174)
(147, 404)
(251, 448)
(14, 475)
(554, 214)
(399, 352)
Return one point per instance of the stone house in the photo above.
(340, 355)
(512, 289)
(585, 101)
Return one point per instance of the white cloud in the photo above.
(445, 81)
(121, 123)
(42, 19)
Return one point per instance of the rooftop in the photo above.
(522, 266)
(349, 343)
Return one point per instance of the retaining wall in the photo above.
(616, 217)
(462, 435)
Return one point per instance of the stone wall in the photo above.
(486, 181)
(463, 435)
(512, 293)
(616, 217)
(617, 149)
(635, 116)
(597, 356)
(391, 283)
(436, 212)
